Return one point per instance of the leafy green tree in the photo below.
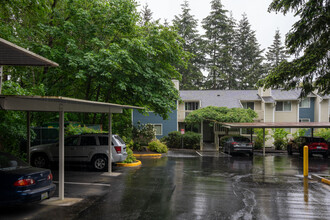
(146, 15)
(248, 56)
(218, 35)
(186, 24)
(221, 114)
(280, 138)
(323, 132)
(276, 52)
(309, 41)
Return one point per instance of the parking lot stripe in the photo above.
(88, 184)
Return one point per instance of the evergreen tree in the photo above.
(218, 33)
(146, 15)
(276, 52)
(186, 24)
(248, 56)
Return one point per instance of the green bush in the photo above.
(76, 130)
(130, 157)
(143, 134)
(300, 132)
(323, 132)
(191, 140)
(280, 138)
(157, 146)
(173, 140)
(258, 143)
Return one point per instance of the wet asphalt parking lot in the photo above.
(184, 185)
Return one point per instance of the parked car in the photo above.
(90, 148)
(21, 183)
(316, 145)
(237, 144)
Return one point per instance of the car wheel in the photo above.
(40, 160)
(100, 163)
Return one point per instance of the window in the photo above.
(87, 141)
(305, 103)
(304, 119)
(190, 106)
(284, 106)
(104, 140)
(71, 141)
(158, 129)
(247, 105)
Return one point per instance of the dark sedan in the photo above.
(237, 144)
(21, 183)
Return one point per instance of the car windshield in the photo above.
(241, 139)
(9, 162)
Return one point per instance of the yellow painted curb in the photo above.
(323, 180)
(137, 163)
(147, 155)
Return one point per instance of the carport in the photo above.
(13, 55)
(265, 125)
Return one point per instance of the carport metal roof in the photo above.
(265, 125)
(278, 125)
(13, 55)
(53, 103)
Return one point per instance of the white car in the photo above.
(91, 148)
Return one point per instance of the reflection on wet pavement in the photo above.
(188, 187)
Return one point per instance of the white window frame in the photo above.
(305, 99)
(283, 106)
(244, 104)
(161, 128)
(196, 103)
(304, 120)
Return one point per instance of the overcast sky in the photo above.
(263, 22)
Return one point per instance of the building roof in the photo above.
(13, 55)
(220, 98)
(268, 99)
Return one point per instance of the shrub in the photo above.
(323, 132)
(173, 140)
(300, 132)
(280, 138)
(143, 134)
(258, 143)
(191, 140)
(157, 146)
(76, 130)
(130, 157)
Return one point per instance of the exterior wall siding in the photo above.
(287, 116)
(168, 125)
(308, 112)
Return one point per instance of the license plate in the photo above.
(318, 147)
(44, 195)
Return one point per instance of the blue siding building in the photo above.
(162, 127)
(307, 112)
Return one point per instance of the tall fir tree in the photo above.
(218, 33)
(146, 15)
(186, 24)
(276, 52)
(248, 56)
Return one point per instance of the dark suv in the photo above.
(316, 145)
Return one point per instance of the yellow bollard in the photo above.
(305, 161)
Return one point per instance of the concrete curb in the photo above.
(137, 163)
(147, 155)
(321, 179)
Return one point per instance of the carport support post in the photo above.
(28, 136)
(61, 154)
(201, 142)
(263, 147)
(110, 142)
(0, 78)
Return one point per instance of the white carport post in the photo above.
(61, 153)
(263, 147)
(110, 143)
(28, 136)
